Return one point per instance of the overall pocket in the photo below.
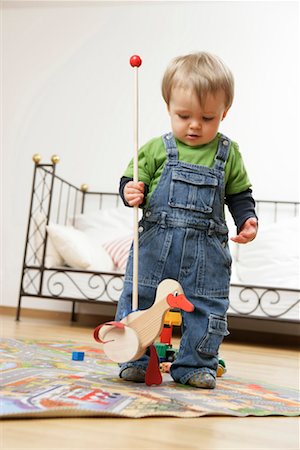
(217, 330)
(214, 267)
(193, 191)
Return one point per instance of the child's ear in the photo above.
(225, 113)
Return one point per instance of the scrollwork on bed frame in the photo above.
(259, 301)
(99, 285)
(54, 200)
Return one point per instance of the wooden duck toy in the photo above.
(128, 339)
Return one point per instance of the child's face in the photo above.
(192, 123)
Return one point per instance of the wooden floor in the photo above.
(267, 364)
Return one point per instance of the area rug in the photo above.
(40, 379)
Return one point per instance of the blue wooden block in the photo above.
(77, 356)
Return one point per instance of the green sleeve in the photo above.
(236, 176)
(150, 157)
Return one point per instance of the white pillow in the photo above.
(52, 257)
(234, 276)
(78, 250)
(107, 224)
(272, 259)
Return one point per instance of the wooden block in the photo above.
(173, 318)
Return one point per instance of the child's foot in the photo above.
(202, 380)
(136, 374)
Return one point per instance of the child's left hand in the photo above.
(247, 232)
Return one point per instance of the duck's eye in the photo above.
(175, 293)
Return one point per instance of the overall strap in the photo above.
(222, 152)
(170, 146)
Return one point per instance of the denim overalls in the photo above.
(183, 235)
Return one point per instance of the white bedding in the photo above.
(100, 241)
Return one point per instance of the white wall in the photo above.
(67, 88)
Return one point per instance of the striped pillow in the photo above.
(118, 249)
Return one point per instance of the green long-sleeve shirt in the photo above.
(152, 158)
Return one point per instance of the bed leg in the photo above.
(18, 309)
(73, 317)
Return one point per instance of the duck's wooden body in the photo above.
(128, 339)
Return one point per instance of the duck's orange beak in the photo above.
(180, 301)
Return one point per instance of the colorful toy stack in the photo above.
(166, 352)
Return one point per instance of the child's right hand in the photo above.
(134, 193)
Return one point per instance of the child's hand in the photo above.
(134, 193)
(247, 233)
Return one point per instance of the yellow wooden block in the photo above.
(173, 318)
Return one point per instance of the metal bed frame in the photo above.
(57, 200)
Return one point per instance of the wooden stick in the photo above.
(136, 208)
(135, 62)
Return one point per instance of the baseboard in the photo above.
(63, 316)
(246, 330)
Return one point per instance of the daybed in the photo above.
(77, 244)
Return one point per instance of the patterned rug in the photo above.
(40, 379)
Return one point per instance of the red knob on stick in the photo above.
(135, 61)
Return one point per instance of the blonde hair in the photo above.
(202, 72)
